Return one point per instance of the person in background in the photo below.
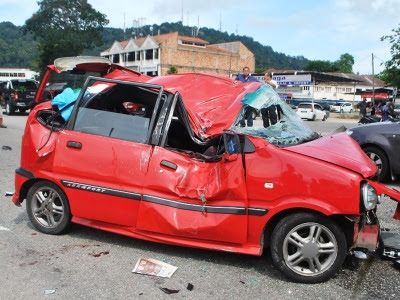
(270, 113)
(1, 117)
(248, 115)
(370, 111)
(378, 110)
(363, 107)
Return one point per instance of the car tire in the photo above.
(9, 108)
(381, 161)
(314, 117)
(308, 247)
(324, 118)
(22, 111)
(48, 208)
(351, 110)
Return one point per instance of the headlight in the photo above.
(369, 198)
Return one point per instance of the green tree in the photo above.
(320, 66)
(344, 63)
(64, 28)
(172, 70)
(391, 74)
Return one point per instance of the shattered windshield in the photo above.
(278, 123)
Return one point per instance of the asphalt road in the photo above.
(90, 264)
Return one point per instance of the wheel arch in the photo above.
(344, 223)
(23, 192)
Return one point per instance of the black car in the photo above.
(381, 142)
(17, 94)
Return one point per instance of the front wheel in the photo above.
(48, 208)
(308, 247)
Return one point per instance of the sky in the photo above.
(315, 29)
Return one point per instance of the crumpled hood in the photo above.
(338, 149)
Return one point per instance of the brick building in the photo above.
(155, 55)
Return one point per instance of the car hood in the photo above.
(212, 102)
(338, 149)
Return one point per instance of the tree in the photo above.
(64, 28)
(320, 66)
(172, 70)
(344, 63)
(391, 74)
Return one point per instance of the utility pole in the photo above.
(373, 81)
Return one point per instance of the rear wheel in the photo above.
(48, 208)
(10, 110)
(308, 247)
(314, 117)
(380, 160)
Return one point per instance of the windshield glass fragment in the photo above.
(279, 125)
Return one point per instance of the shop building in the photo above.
(156, 55)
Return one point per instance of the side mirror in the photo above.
(232, 146)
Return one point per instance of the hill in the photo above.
(20, 50)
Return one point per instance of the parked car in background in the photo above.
(173, 170)
(397, 108)
(381, 142)
(342, 107)
(311, 111)
(17, 94)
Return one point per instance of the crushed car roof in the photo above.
(212, 102)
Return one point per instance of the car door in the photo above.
(319, 112)
(102, 156)
(188, 197)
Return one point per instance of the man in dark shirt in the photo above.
(246, 77)
(363, 107)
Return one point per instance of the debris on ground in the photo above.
(190, 287)
(153, 267)
(6, 148)
(169, 291)
(49, 292)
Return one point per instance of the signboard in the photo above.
(148, 68)
(303, 79)
(377, 95)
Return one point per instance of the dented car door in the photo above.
(188, 197)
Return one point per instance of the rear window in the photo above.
(305, 105)
(23, 83)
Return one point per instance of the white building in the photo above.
(14, 73)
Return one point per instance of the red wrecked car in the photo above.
(165, 159)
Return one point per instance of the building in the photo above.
(14, 73)
(156, 55)
(329, 86)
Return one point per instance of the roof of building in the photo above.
(162, 37)
(367, 80)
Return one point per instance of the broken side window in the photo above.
(116, 109)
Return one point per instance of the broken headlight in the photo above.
(369, 198)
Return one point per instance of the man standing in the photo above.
(363, 107)
(246, 77)
(269, 113)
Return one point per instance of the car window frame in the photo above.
(156, 113)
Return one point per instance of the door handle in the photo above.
(72, 144)
(169, 164)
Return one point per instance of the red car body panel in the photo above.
(212, 102)
(163, 195)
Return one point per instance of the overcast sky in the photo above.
(315, 29)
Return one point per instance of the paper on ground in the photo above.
(154, 267)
